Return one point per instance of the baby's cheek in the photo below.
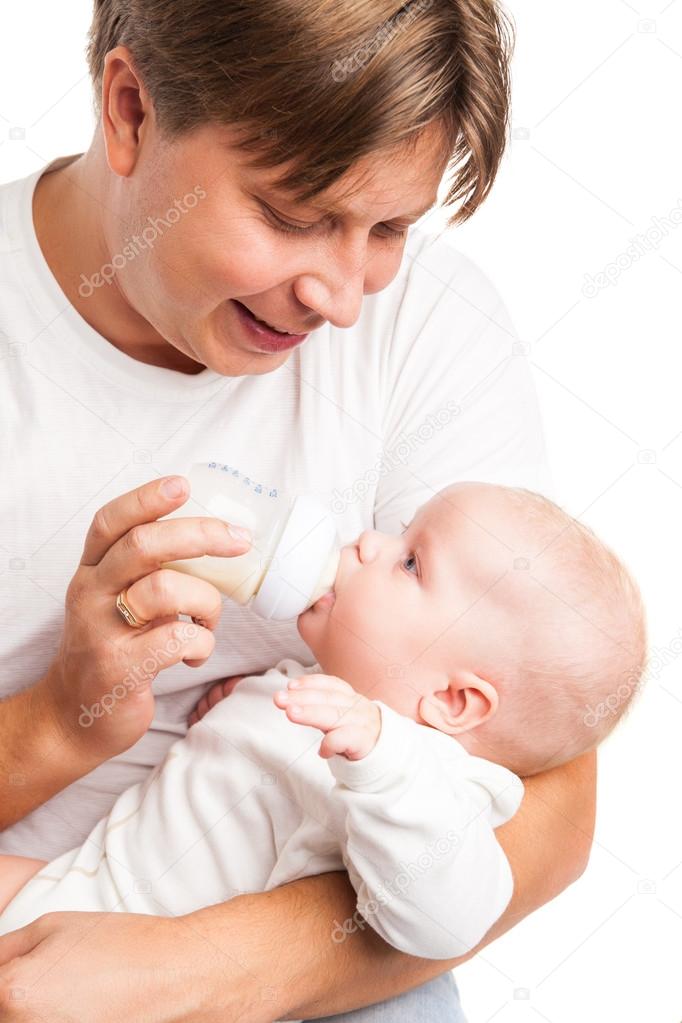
(345, 641)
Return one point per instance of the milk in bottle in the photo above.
(295, 551)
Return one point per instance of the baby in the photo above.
(495, 637)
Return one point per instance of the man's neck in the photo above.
(66, 216)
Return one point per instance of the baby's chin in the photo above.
(310, 624)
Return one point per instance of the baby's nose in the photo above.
(368, 546)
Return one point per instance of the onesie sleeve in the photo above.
(416, 830)
(460, 402)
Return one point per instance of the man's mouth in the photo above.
(272, 326)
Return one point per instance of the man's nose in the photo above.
(339, 305)
(337, 289)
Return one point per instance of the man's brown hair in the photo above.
(316, 84)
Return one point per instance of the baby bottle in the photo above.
(295, 551)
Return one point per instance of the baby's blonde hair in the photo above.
(591, 610)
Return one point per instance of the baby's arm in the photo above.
(15, 871)
(416, 828)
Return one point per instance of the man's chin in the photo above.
(241, 362)
(223, 352)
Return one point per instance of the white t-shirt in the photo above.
(425, 389)
(244, 803)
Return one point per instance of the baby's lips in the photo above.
(326, 600)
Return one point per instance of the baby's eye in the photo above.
(411, 560)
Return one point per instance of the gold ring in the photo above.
(128, 615)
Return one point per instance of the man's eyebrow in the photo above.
(338, 211)
(334, 209)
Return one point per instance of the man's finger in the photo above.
(143, 504)
(18, 943)
(150, 546)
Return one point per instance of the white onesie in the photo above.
(244, 803)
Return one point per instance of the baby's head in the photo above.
(494, 617)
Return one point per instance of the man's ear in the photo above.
(467, 702)
(125, 110)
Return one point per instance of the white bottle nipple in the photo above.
(309, 540)
(328, 577)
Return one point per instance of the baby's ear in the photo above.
(467, 702)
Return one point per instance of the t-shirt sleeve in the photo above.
(460, 400)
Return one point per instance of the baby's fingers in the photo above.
(317, 715)
(345, 701)
(330, 683)
(348, 740)
(215, 694)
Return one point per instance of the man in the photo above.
(141, 278)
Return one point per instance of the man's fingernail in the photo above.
(239, 533)
(173, 487)
(294, 683)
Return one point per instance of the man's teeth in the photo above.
(269, 325)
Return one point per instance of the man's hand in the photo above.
(99, 684)
(107, 967)
(350, 721)
(270, 955)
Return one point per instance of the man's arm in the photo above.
(271, 956)
(37, 759)
(295, 965)
(43, 745)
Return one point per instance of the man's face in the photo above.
(226, 244)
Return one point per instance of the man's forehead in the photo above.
(378, 182)
(405, 179)
(365, 201)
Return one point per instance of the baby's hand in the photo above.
(352, 723)
(218, 691)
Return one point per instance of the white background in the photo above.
(594, 163)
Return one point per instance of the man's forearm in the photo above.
(548, 841)
(289, 940)
(36, 760)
